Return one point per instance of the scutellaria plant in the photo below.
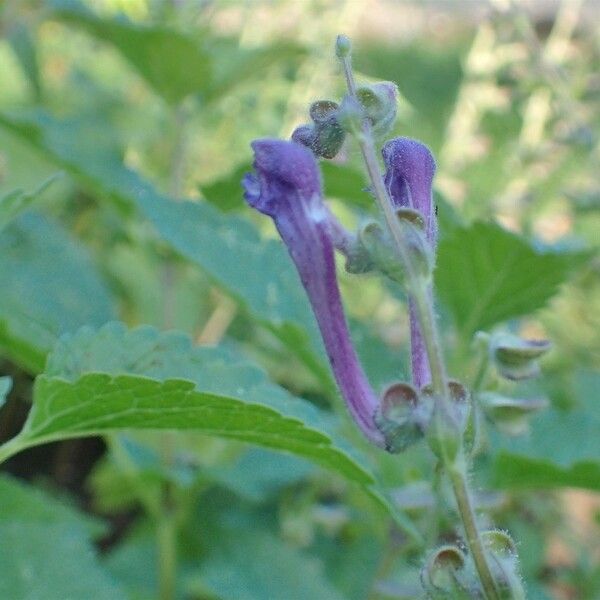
(286, 186)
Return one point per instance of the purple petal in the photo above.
(410, 168)
(287, 187)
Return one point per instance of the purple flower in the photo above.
(286, 186)
(410, 168)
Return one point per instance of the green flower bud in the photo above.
(343, 46)
(412, 227)
(382, 250)
(449, 421)
(402, 417)
(505, 563)
(443, 574)
(516, 358)
(379, 102)
(511, 415)
(351, 115)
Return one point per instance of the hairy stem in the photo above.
(467, 515)
(417, 288)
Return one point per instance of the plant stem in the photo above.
(467, 514)
(166, 537)
(417, 287)
(10, 448)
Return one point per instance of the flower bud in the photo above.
(402, 417)
(516, 358)
(443, 573)
(382, 250)
(379, 102)
(412, 226)
(343, 46)
(351, 116)
(449, 421)
(325, 137)
(505, 564)
(511, 415)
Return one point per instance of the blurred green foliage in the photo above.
(148, 107)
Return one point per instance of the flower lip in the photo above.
(281, 167)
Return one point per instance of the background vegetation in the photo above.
(112, 112)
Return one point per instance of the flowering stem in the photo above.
(419, 295)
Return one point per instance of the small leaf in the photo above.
(486, 275)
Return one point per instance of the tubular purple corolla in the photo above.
(410, 168)
(286, 186)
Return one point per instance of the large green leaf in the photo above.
(562, 448)
(170, 61)
(46, 553)
(116, 379)
(49, 287)
(486, 274)
(257, 272)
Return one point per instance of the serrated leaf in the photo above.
(117, 379)
(114, 379)
(49, 287)
(561, 450)
(172, 63)
(486, 274)
(258, 273)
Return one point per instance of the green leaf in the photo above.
(259, 473)
(562, 449)
(172, 63)
(49, 287)
(17, 201)
(226, 192)
(23, 45)
(233, 65)
(258, 273)
(20, 501)
(5, 387)
(117, 379)
(114, 379)
(346, 184)
(253, 564)
(486, 275)
(46, 553)
(50, 562)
